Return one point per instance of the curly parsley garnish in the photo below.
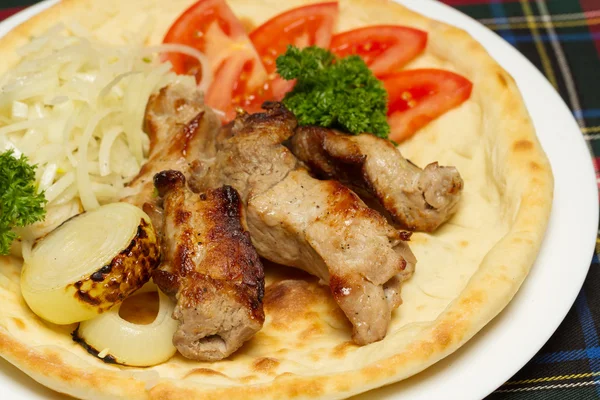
(334, 92)
(20, 205)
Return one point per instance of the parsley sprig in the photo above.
(334, 92)
(20, 205)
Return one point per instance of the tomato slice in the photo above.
(211, 27)
(417, 97)
(384, 48)
(302, 26)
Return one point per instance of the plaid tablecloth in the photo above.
(562, 38)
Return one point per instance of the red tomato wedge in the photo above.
(211, 27)
(417, 97)
(384, 48)
(302, 26)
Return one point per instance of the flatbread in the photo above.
(467, 271)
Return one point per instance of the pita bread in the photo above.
(467, 271)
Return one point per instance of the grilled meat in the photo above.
(250, 156)
(180, 129)
(325, 229)
(411, 197)
(210, 267)
(321, 227)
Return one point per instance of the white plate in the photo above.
(510, 340)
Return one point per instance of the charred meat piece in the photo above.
(181, 132)
(210, 267)
(250, 156)
(412, 198)
(321, 227)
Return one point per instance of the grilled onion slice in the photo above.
(90, 263)
(115, 340)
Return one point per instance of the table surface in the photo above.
(562, 39)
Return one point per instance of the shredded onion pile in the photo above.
(75, 107)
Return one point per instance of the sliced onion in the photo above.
(69, 91)
(67, 196)
(123, 342)
(20, 110)
(21, 126)
(56, 215)
(47, 177)
(106, 89)
(84, 183)
(59, 186)
(6, 144)
(105, 149)
(90, 263)
(207, 75)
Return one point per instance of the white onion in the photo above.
(67, 196)
(21, 126)
(60, 93)
(47, 177)
(6, 144)
(207, 75)
(57, 214)
(46, 154)
(105, 146)
(133, 344)
(104, 191)
(84, 184)
(59, 186)
(19, 110)
(38, 111)
(80, 269)
(57, 100)
(115, 81)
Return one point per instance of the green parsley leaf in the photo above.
(20, 205)
(333, 92)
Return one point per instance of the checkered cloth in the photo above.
(562, 38)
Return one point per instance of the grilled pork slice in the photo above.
(325, 229)
(211, 268)
(411, 197)
(181, 132)
(321, 227)
(250, 156)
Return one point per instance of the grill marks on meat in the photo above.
(211, 268)
(411, 197)
(325, 229)
(180, 129)
(250, 156)
(209, 265)
(321, 227)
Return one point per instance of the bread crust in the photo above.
(504, 144)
